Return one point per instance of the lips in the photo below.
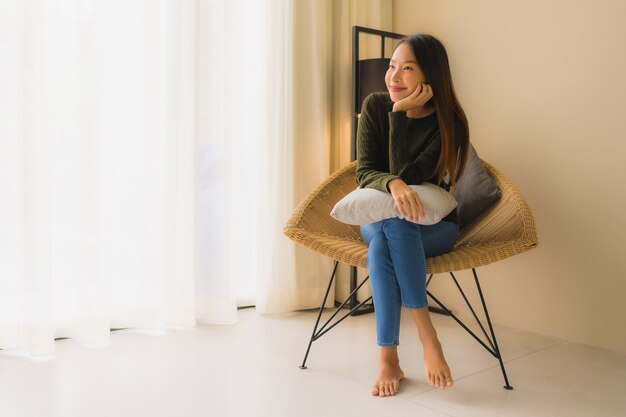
(395, 89)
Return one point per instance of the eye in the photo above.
(408, 68)
(391, 66)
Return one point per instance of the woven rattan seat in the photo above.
(507, 229)
(504, 230)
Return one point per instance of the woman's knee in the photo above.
(378, 251)
(399, 229)
(378, 245)
(370, 231)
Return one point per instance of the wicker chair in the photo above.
(506, 229)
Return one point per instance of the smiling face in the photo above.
(404, 74)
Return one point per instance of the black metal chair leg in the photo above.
(492, 346)
(353, 299)
(434, 309)
(330, 284)
(493, 334)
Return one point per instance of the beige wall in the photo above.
(543, 85)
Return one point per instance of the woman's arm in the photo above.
(422, 168)
(372, 169)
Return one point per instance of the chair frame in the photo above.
(492, 348)
(504, 230)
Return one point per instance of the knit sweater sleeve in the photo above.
(418, 169)
(372, 165)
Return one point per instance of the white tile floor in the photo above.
(251, 369)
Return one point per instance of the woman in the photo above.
(416, 133)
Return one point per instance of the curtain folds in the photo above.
(97, 145)
(152, 151)
(264, 143)
(292, 277)
(377, 14)
(316, 131)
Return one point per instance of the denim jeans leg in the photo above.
(410, 244)
(409, 261)
(439, 238)
(385, 289)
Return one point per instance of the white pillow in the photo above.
(367, 205)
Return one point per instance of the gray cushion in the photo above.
(367, 205)
(475, 192)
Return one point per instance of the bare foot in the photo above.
(437, 370)
(388, 380)
(436, 367)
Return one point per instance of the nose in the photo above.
(395, 75)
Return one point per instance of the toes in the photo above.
(449, 380)
(387, 383)
(440, 380)
(432, 380)
(446, 380)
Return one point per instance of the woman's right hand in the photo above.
(418, 98)
(407, 200)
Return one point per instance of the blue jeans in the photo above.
(396, 260)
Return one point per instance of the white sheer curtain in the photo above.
(376, 14)
(112, 214)
(263, 133)
(97, 168)
(231, 128)
(268, 107)
(297, 154)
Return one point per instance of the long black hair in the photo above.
(433, 61)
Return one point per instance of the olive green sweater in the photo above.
(390, 145)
